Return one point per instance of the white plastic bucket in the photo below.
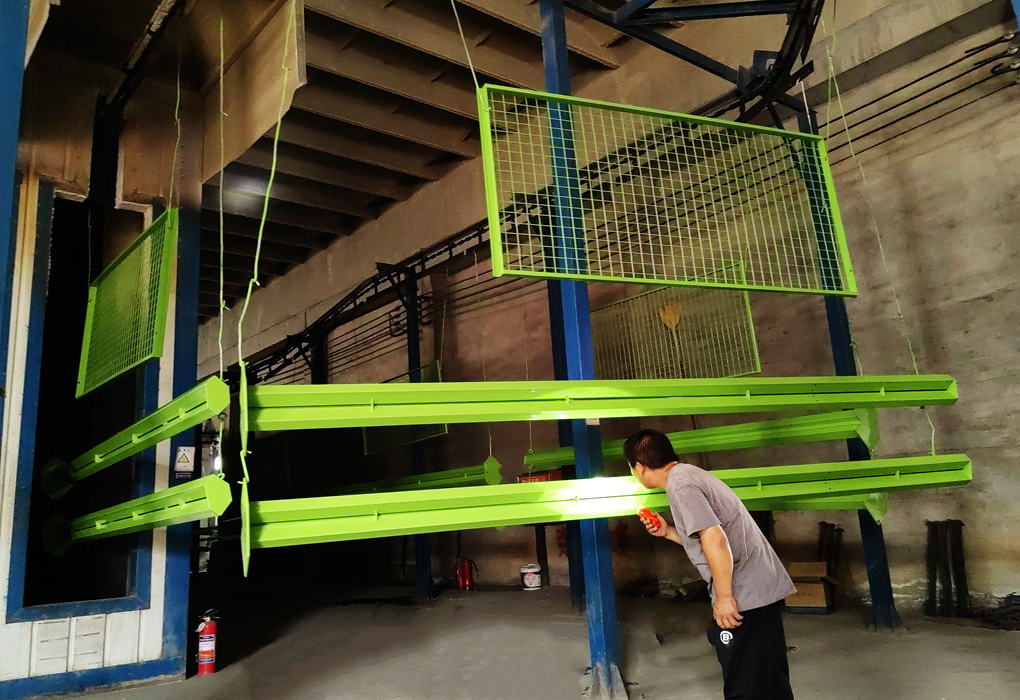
(531, 577)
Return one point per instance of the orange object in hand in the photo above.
(646, 514)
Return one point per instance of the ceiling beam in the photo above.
(387, 114)
(430, 28)
(250, 205)
(314, 165)
(395, 71)
(240, 263)
(277, 252)
(307, 193)
(321, 134)
(212, 273)
(249, 228)
(585, 38)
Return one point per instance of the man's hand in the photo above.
(725, 612)
(660, 530)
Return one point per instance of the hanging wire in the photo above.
(901, 323)
(177, 143)
(291, 24)
(463, 40)
(223, 305)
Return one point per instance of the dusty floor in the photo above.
(516, 644)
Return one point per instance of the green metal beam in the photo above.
(296, 407)
(204, 401)
(194, 500)
(488, 472)
(335, 518)
(875, 503)
(838, 425)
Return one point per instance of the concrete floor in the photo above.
(516, 644)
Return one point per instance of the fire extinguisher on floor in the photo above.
(207, 627)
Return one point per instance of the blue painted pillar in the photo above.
(883, 608)
(185, 374)
(422, 548)
(13, 35)
(572, 333)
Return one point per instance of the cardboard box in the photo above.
(815, 588)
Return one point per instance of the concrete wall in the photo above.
(943, 198)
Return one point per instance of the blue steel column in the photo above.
(185, 375)
(575, 322)
(883, 607)
(13, 33)
(422, 549)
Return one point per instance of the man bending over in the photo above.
(746, 579)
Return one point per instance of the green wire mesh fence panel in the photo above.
(377, 439)
(582, 189)
(675, 332)
(127, 306)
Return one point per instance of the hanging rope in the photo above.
(223, 305)
(291, 24)
(900, 322)
(177, 143)
(463, 40)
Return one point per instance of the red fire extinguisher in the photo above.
(207, 643)
(465, 578)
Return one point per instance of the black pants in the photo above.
(753, 656)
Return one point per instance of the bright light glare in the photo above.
(217, 464)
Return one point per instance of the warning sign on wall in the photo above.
(185, 462)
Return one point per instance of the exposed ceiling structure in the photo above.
(389, 105)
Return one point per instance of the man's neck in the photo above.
(665, 473)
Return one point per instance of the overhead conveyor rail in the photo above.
(356, 405)
(194, 500)
(488, 472)
(837, 425)
(204, 401)
(336, 518)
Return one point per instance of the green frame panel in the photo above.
(126, 347)
(811, 145)
(838, 425)
(488, 472)
(194, 406)
(296, 407)
(202, 498)
(337, 518)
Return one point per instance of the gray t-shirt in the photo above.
(699, 500)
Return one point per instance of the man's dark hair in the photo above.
(651, 448)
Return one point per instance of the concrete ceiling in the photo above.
(389, 106)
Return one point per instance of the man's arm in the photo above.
(716, 547)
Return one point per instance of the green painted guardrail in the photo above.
(312, 406)
(837, 425)
(488, 472)
(194, 500)
(204, 401)
(336, 518)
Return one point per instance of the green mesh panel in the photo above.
(642, 195)
(386, 438)
(675, 332)
(127, 306)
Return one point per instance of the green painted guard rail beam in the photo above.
(875, 503)
(297, 407)
(194, 500)
(488, 472)
(204, 401)
(838, 425)
(336, 518)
